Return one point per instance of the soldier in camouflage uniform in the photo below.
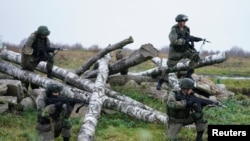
(119, 55)
(181, 111)
(32, 54)
(181, 46)
(53, 119)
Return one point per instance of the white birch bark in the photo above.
(74, 79)
(87, 130)
(182, 66)
(27, 76)
(135, 111)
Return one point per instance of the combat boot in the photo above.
(65, 138)
(189, 74)
(160, 82)
(49, 75)
(199, 136)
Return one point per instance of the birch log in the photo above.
(31, 77)
(146, 52)
(87, 130)
(100, 54)
(76, 81)
(182, 66)
(135, 111)
(72, 79)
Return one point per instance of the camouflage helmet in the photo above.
(50, 88)
(187, 83)
(43, 30)
(181, 17)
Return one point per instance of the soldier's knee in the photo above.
(67, 124)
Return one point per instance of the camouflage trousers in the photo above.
(61, 127)
(175, 56)
(174, 126)
(30, 62)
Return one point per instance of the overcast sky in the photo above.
(101, 22)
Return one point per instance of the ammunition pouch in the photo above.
(67, 124)
(27, 50)
(179, 48)
(43, 120)
(178, 113)
(197, 115)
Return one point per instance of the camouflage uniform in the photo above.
(180, 48)
(180, 114)
(51, 122)
(30, 56)
(119, 55)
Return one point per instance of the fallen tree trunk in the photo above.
(182, 66)
(145, 53)
(27, 76)
(87, 130)
(100, 54)
(76, 81)
(135, 111)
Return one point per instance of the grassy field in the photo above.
(120, 127)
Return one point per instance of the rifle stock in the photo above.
(70, 102)
(43, 52)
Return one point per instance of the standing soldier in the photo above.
(53, 119)
(34, 51)
(119, 55)
(181, 46)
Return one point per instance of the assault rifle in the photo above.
(53, 49)
(191, 39)
(43, 52)
(197, 103)
(70, 102)
(203, 102)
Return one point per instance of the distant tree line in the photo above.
(235, 51)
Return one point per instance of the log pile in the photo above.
(98, 95)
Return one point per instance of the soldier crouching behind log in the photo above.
(184, 108)
(34, 51)
(53, 119)
(119, 55)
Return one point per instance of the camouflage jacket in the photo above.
(46, 112)
(34, 42)
(176, 109)
(177, 37)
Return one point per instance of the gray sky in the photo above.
(103, 22)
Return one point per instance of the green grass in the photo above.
(121, 127)
(233, 66)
